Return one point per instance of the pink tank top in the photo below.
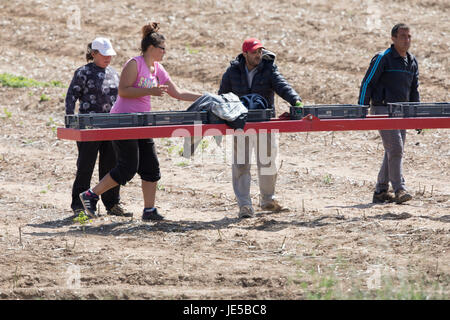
(144, 79)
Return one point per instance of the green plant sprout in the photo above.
(13, 81)
(327, 179)
(7, 113)
(44, 97)
(82, 219)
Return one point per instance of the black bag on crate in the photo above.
(254, 101)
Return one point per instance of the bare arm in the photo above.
(181, 94)
(127, 79)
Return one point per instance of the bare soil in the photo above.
(333, 243)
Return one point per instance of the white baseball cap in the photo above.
(104, 46)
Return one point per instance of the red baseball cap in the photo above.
(251, 44)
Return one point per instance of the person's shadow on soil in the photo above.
(131, 226)
(356, 206)
(55, 224)
(266, 221)
(263, 221)
(392, 216)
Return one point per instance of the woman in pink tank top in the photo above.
(141, 78)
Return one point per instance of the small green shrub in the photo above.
(82, 219)
(13, 81)
(44, 97)
(8, 114)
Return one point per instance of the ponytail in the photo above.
(89, 55)
(150, 36)
(89, 52)
(150, 28)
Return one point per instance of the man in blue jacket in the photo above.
(393, 76)
(254, 71)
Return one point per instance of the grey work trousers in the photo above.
(392, 167)
(266, 149)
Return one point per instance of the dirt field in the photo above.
(332, 244)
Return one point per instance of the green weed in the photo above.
(182, 164)
(340, 281)
(44, 97)
(160, 187)
(8, 114)
(327, 179)
(174, 148)
(191, 50)
(13, 81)
(27, 141)
(82, 219)
(205, 144)
(52, 124)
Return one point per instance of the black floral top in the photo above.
(95, 87)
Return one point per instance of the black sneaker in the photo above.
(117, 210)
(382, 197)
(151, 215)
(89, 202)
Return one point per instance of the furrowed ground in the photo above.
(332, 244)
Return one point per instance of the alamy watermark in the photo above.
(74, 17)
(234, 147)
(73, 279)
(373, 21)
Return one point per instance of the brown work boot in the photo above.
(273, 206)
(382, 197)
(402, 196)
(117, 210)
(246, 212)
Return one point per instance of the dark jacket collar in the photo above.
(267, 56)
(395, 53)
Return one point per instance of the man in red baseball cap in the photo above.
(252, 51)
(251, 44)
(254, 72)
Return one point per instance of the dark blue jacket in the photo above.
(389, 79)
(266, 81)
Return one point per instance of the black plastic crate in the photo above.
(419, 109)
(174, 117)
(325, 111)
(118, 120)
(104, 120)
(254, 115)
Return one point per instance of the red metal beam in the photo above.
(309, 123)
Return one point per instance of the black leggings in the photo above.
(87, 156)
(135, 156)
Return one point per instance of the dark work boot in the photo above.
(382, 197)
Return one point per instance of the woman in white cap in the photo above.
(95, 86)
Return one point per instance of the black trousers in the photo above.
(135, 156)
(87, 156)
